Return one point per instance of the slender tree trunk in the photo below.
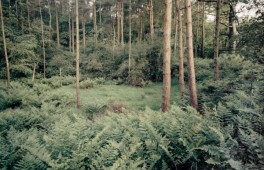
(95, 22)
(189, 45)
(197, 31)
(83, 30)
(167, 57)
(57, 24)
(139, 31)
(50, 27)
(114, 38)
(77, 57)
(4, 42)
(118, 22)
(151, 20)
(232, 30)
(16, 14)
(69, 26)
(34, 72)
(180, 48)
(22, 20)
(130, 37)
(216, 40)
(9, 13)
(43, 42)
(122, 23)
(203, 32)
(73, 43)
(100, 13)
(28, 16)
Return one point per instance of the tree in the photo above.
(130, 37)
(189, 45)
(216, 40)
(57, 24)
(43, 41)
(5, 49)
(151, 19)
(166, 56)
(77, 56)
(180, 47)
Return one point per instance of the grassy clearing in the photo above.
(132, 97)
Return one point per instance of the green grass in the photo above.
(132, 97)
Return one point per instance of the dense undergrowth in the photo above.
(41, 129)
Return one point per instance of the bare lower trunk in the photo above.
(122, 23)
(189, 45)
(118, 22)
(28, 17)
(114, 38)
(167, 57)
(151, 20)
(216, 40)
(83, 30)
(73, 43)
(34, 72)
(197, 32)
(4, 42)
(43, 42)
(50, 27)
(77, 58)
(95, 22)
(180, 48)
(130, 38)
(57, 24)
(69, 29)
(232, 30)
(203, 32)
(22, 20)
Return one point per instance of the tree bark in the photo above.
(50, 27)
(203, 33)
(83, 30)
(197, 31)
(180, 48)
(69, 26)
(77, 57)
(43, 42)
(167, 57)
(95, 22)
(57, 24)
(216, 40)
(28, 17)
(232, 30)
(130, 38)
(22, 21)
(118, 22)
(122, 22)
(34, 72)
(151, 20)
(73, 41)
(189, 45)
(4, 42)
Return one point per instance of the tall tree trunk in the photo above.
(95, 22)
(189, 45)
(151, 20)
(216, 40)
(9, 13)
(16, 4)
(100, 13)
(77, 57)
(83, 31)
(232, 30)
(50, 27)
(34, 72)
(118, 22)
(28, 17)
(22, 19)
(57, 24)
(73, 43)
(139, 30)
(4, 42)
(114, 38)
(167, 57)
(180, 48)
(122, 22)
(203, 32)
(43, 42)
(69, 26)
(197, 31)
(130, 37)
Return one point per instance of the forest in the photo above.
(132, 84)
